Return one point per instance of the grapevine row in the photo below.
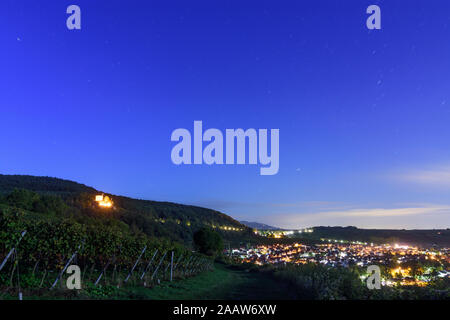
(106, 254)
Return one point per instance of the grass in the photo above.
(224, 282)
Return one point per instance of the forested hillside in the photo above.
(52, 198)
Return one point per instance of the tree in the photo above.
(208, 241)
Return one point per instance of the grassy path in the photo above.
(222, 283)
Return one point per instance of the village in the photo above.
(402, 264)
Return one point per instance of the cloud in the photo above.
(382, 212)
(438, 176)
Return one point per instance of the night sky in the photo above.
(364, 115)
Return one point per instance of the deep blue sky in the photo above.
(364, 116)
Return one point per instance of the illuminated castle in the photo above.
(104, 201)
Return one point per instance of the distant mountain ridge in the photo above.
(440, 237)
(259, 226)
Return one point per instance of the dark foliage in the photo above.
(208, 241)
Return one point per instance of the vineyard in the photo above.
(35, 255)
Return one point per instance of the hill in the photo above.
(56, 198)
(424, 238)
(45, 185)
